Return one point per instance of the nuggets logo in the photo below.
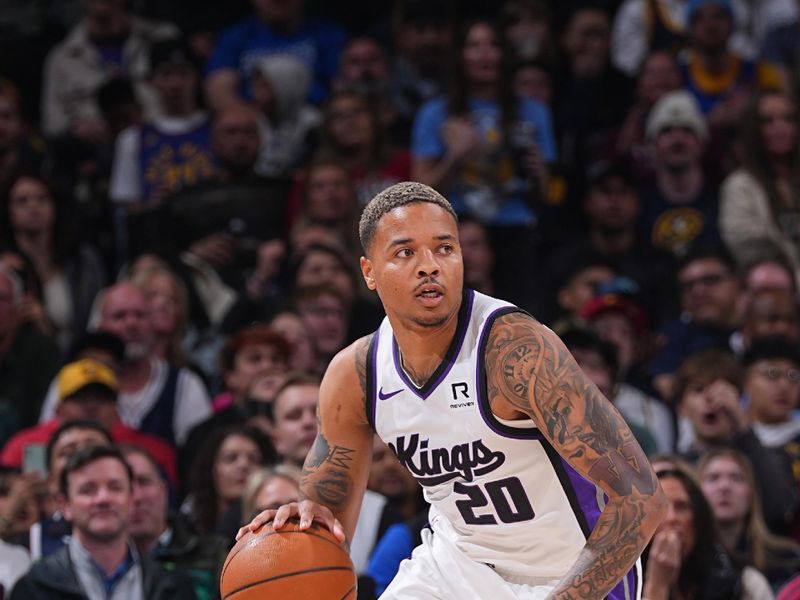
(677, 228)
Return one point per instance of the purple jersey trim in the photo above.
(582, 495)
(464, 316)
(372, 380)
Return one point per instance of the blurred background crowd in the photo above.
(180, 184)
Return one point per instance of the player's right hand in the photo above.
(307, 510)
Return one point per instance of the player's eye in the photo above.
(404, 252)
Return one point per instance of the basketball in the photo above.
(290, 563)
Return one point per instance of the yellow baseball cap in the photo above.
(75, 376)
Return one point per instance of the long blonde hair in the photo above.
(141, 278)
(762, 544)
(261, 477)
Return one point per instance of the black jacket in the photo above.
(198, 555)
(53, 578)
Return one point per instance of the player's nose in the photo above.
(427, 265)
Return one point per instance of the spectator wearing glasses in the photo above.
(708, 288)
(772, 386)
(708, 390)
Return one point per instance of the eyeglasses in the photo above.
(710, 280)
(774, 374)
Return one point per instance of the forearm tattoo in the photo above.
(530, 369)
(327, 476)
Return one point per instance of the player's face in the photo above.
(415, 265)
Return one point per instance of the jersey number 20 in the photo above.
(508, 498)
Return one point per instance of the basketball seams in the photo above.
(257, 538)
(348, 592)
(285, 575)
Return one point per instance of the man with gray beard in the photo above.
(155, 397)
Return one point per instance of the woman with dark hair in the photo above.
(760, 201)
(484, 148)
(36, 223)
(352, 134)
(219, 476)
(685, 561)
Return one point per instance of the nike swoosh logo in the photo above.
(383, 396)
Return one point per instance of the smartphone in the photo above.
(34, 459)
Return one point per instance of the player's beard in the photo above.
(430, 323)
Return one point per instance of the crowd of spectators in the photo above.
(180, 185)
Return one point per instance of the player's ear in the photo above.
(366, 271)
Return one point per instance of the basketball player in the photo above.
(537, 487)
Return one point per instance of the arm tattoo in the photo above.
(326, 472)
(530, 369)
(327, 476)
(536, 374)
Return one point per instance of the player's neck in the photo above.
(423, 349)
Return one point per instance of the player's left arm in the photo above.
(530, 371)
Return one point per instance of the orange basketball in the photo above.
(301, 565)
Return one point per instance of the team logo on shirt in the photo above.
(434, 466)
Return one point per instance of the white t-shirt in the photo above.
(192, 402)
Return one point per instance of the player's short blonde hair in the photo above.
(400, 194)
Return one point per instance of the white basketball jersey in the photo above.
(498, 489)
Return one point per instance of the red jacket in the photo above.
(162, 452)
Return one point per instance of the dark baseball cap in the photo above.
(176, 51)
(603, 170)
(101, 340)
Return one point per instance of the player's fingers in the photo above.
(330, 522)
(338, 530)
(284, 513)
(260, 519)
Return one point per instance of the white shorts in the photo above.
(438, 570)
